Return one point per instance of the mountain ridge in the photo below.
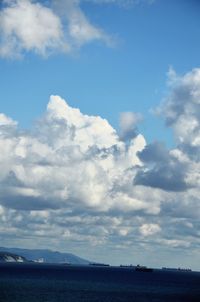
(6, 256)
(45, 255)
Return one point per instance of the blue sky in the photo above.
(117, 183)
(101, 80)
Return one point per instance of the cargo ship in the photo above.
(141, 268)
(179, 269)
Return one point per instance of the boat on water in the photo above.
(179, 269)
(142, 268)
(127, 265)
(99, 264)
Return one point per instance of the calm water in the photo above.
(57, 283)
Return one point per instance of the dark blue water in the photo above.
(59, 283)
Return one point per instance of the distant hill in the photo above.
(46, 256)
(10, 257)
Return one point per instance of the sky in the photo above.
(100, 129)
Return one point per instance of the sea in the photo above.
(32, 282)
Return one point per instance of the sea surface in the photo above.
(20, 282)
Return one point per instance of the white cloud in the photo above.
(149, 229)
(48, 27)
(181, 107)
(175, 243)
(80, 29)
(27, 25)
(6, 121)
(89, 131)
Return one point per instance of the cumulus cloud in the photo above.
(27, 25)
(79, 30)
(70, 159)
(176, 169)
(181, 110)
(46, 27)
(6, 121)
(74, 180)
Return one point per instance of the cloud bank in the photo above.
(73, 181)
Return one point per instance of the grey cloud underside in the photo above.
(131, 133)
(164, 178)
(128, 125)
(26, 203)
(165, 172)
(155, 152)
